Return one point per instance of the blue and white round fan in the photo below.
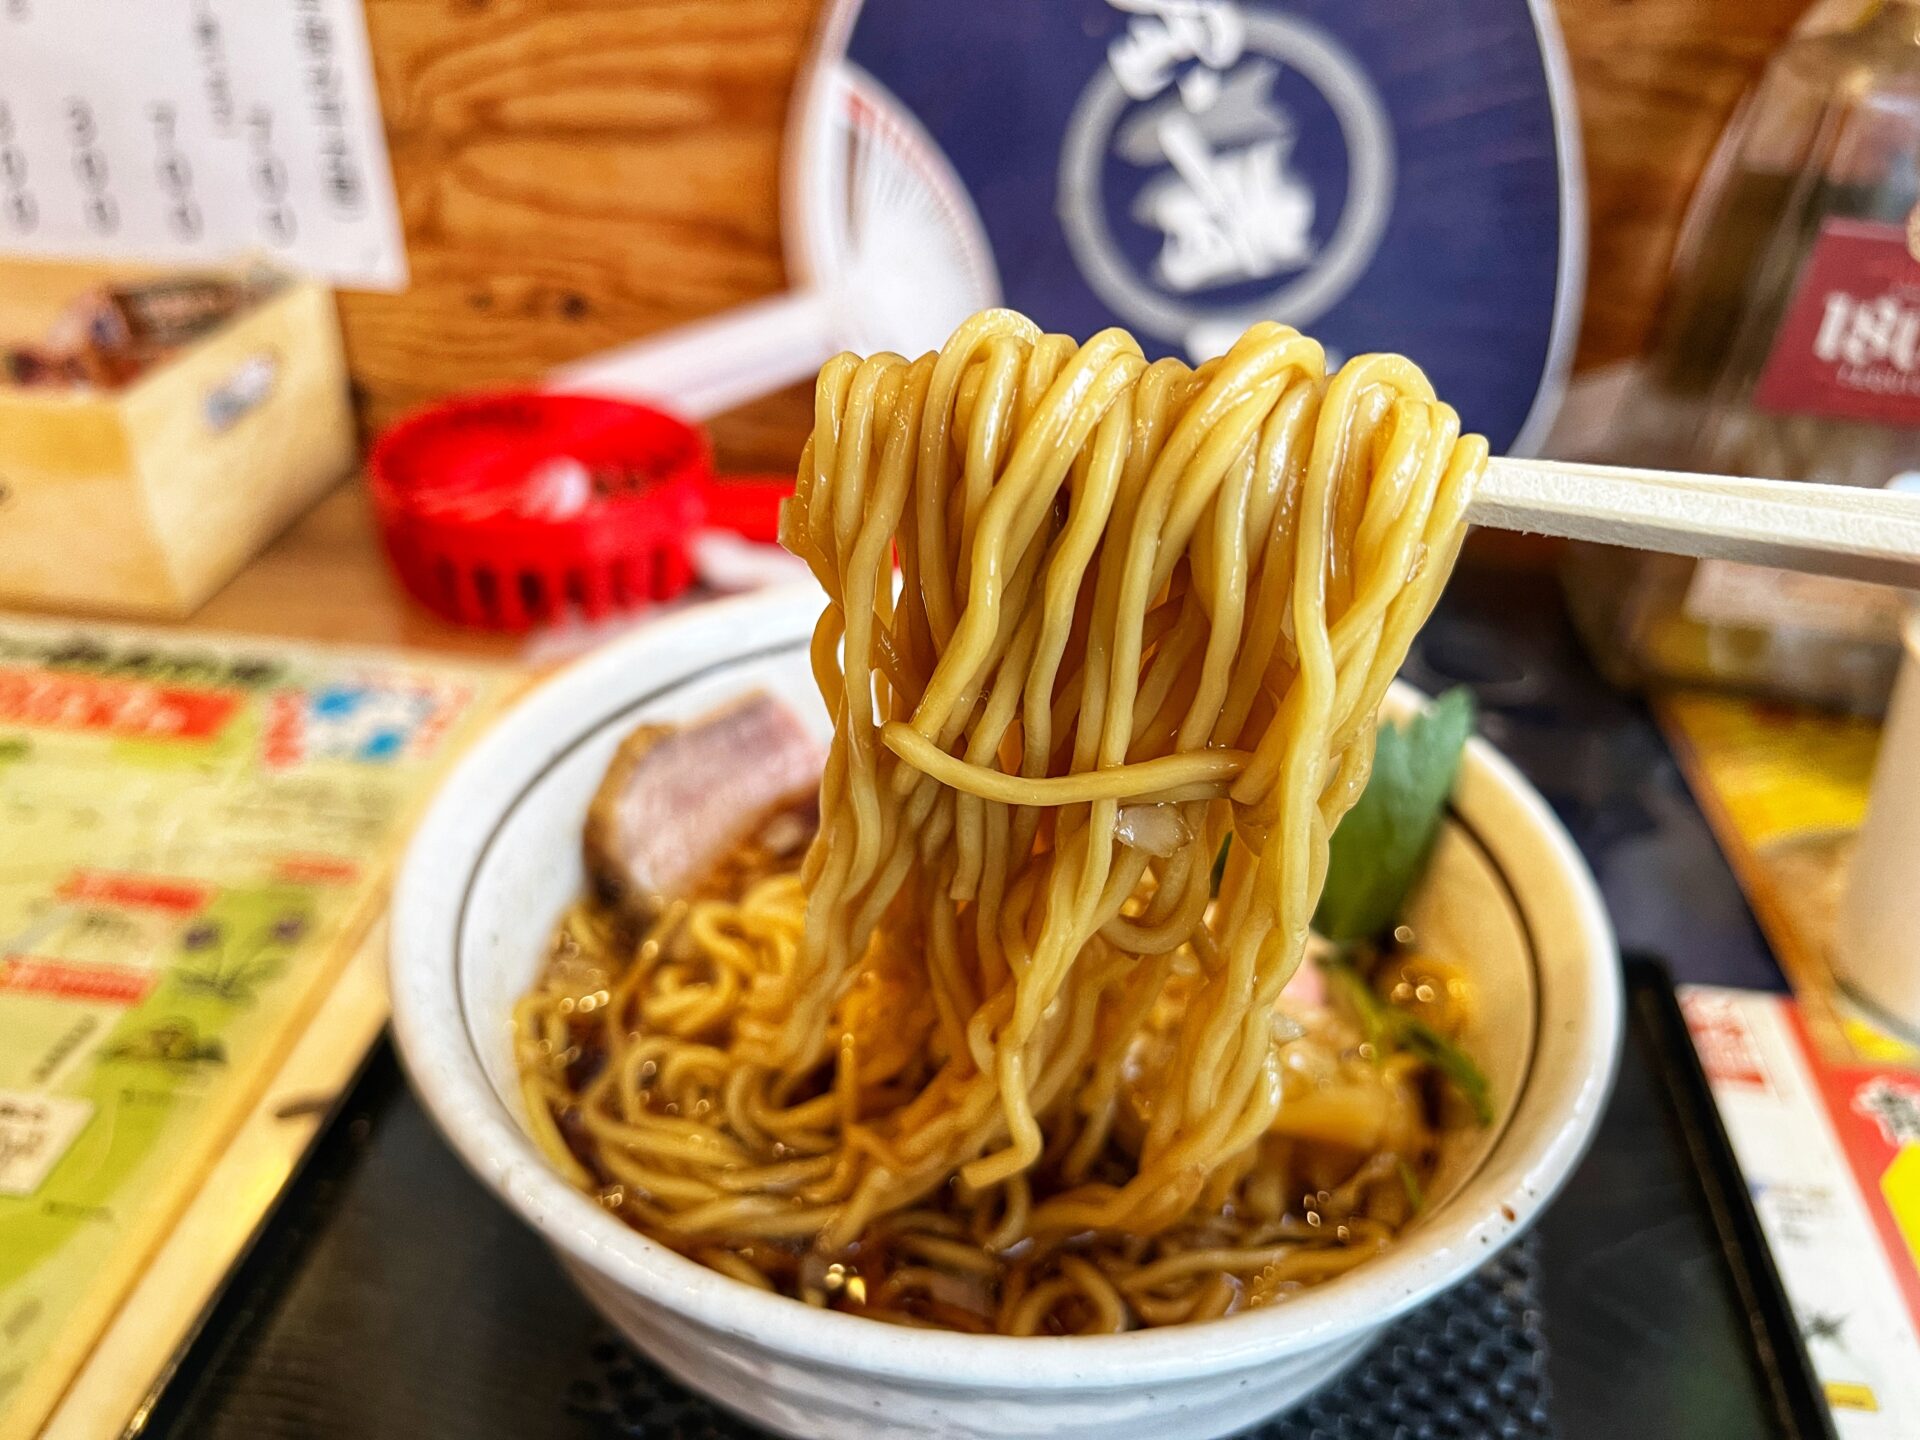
(1385, 174)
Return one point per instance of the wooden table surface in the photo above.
(326, 579)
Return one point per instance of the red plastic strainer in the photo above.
(513, 510)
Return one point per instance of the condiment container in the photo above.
(144, 500)
(1877, 954)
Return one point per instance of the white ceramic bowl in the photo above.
(498, 859)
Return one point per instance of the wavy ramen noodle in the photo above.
(994, 1055)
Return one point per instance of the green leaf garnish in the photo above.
(1220, 862)
(1388, 1027)
(1420, 1038)
(1380, 848)
(1352, 986)
(1415, 1196)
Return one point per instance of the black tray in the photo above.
(390, 1298)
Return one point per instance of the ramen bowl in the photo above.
(498, 860)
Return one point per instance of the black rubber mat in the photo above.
(1470, 1366)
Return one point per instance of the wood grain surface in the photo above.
(139, 502)
(572, 174)
(327, 579)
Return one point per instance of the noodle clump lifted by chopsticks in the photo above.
(997, 1046)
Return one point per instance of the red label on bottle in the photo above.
(1849, 346)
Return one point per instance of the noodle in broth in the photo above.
(994, 1055)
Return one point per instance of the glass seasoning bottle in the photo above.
(1790, 348)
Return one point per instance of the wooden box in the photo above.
(145, 500)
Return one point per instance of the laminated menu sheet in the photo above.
(180, 130)
(1830, 1151)
(197, 834)
(1821, 1107)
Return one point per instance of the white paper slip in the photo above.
(35, 1131)
(177, 130)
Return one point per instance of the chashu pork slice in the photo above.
(678, 798)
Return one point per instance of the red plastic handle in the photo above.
(748, 505)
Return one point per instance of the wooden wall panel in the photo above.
(573, 173)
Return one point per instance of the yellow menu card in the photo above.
(194, 835)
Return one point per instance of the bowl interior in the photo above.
(530, 870)
(497, 859)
